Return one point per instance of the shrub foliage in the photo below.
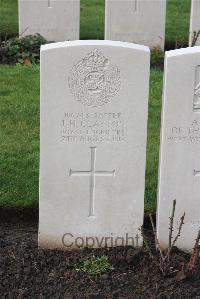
(25, 50)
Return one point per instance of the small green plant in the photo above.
(95, 266)
(25, 50)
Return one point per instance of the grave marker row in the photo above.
(180, 146)
(94, 102)
(55, 20)
(137, 21)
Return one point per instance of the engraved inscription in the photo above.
(196, 103)
(49, 4)
(189, 134)
(94, 80)
(135, 5)
(93, 127)
(195, 224)
(92, 173)
(196, 172)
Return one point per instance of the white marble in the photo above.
(179, 174)
(55, 20)
(94, 102)
(195, 23)
(137, 21)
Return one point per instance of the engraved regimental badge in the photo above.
(94, 80)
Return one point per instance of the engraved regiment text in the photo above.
(190, 134)
(92, 127)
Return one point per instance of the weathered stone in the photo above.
(55, 20)
(137, 21)
(179, 175)
(94, 100)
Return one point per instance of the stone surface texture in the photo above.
(195, 23)
(179, 174)
(137, 21)
(94, 101)
(55, 20)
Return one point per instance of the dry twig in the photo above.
(171, 225)
(156, 238)
(195, 255)
(196, 35)
(146, 242)
(194, 259)
(177, 236)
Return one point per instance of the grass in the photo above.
(19, 109)
(177, 23)
(19, 136)
(154, 119)
(8, 18)
(92, 20)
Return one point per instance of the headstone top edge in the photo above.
(76, 43)
(43, 0)
(183, 51)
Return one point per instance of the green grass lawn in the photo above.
(92, 20)
(19, 109)
(177, 23)
(8, 18)
(19, 137)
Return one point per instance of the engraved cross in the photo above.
(196, 101)
(92, 173)
(197, 90)
(196, 172)
(135, 5)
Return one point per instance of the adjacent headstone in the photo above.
(179, 175)
(137, 21)
(94, 99)
(55, 20)
(195, 23)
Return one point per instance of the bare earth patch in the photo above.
(26, 272)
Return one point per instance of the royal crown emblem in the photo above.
(94, 81)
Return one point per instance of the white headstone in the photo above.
(195, 23)
(137, 21)
(94, 100)
(179, 175)
(55, 20)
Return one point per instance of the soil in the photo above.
(26, 272)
